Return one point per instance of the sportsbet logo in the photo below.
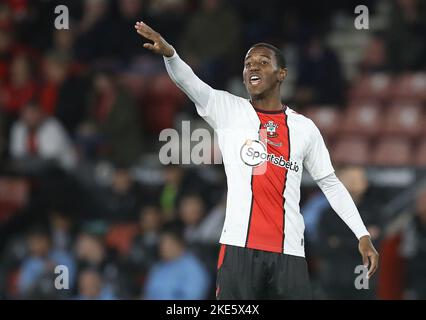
(253, 153)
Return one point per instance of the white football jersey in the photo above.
(264, 154)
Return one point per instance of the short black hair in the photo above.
(174, 229)
(278, 54)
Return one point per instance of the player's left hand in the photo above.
(370, 256)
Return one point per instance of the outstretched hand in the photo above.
(158, 45)
(370, 257)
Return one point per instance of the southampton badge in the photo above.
(271, 129)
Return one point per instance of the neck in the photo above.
(269, 102)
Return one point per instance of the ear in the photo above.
(282, 74)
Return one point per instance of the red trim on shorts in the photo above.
(221, 256)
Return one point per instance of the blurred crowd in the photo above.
(81, 111)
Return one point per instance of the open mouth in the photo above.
(255, 80)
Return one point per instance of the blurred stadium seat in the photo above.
(420, 154)
(392, 151)
(351, 150)
(371, 87)
(403, 119)
(410, 86)
(326, 118)
(362, 118)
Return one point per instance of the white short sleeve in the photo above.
(317, 158)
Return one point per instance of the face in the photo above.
(90, 284)
(32, 116)
(169, 247)
(55, 71)
(356, 181)
(5, 41)
(191, 210)
(20, 71)
(64, 39)
(150, 219)
(90, 249)
(95, 8)
(122, 181)
(173, 175)
(60, 222)
(130, 8)
(103, 83)
(39, 245)
(261, 73)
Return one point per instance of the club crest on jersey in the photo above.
(271, 129)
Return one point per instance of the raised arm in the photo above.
(181, 74)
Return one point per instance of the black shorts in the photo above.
(245, 273)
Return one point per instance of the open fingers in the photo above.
(145, 31)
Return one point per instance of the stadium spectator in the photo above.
(3, 141)
(36, 277)
(61, 230)
(316, 63)
(143, 252)
(413, 249)
(312, 211)
(124, 44)
(406, 47)
(113, 115)
(375, 58)
(40, 137)
(171, 15)
(93, 32)
(191, 211)
(91, 287)
(169, 194)
(211, 227)
(6, 51)
(91, 252)
(120, 202)
(179, 181)
(64, 42)
(20, 89)
(208, 55)
(336, 246)
(179, 275)
(58, 92)
(68, 74)
(6, 15)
